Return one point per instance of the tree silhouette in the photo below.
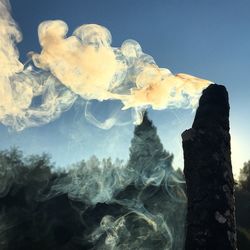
(148, 158)
(242, 202)
(244, 178)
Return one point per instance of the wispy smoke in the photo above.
(83, 65)
(94, 205)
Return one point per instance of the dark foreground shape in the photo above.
(208, 172)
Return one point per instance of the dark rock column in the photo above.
(208, 172)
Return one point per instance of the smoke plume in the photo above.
(82, 65)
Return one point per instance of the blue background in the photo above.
(208, 38)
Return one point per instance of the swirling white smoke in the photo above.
(83, 65)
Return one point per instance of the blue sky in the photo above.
(208, 38)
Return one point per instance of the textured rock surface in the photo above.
(208, 172)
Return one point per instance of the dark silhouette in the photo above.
(244, 179)
(147, 155)
(242, 200)
(208, 173)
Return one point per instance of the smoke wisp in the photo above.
(95, 205)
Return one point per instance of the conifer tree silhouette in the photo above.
(148, 158)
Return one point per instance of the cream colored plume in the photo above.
(83, 65)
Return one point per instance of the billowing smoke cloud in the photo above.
(21, 84)
(83, 65)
